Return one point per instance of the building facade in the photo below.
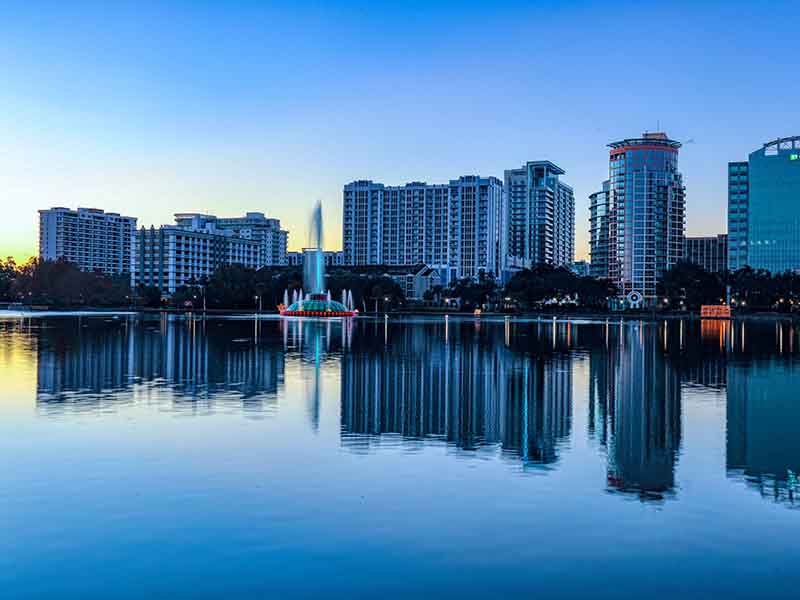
(648, 214)
(540, 216)
(90, 238)
(456, 228)
(333, 258)
(763, 208)
(710, 252)
(738, 194)
(599, 231)
(273, 241)
(173, 256)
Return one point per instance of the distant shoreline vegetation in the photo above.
(541, 290)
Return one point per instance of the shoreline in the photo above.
(546, 315)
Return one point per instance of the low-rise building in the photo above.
(333, 258)
(709, 252)
(581, 268)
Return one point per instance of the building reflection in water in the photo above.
(90, 362)
(763, 415)
(478, 388)
(635, 409)
(473, 392)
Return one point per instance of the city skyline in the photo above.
(183, 123)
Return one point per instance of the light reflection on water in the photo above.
(483, 419)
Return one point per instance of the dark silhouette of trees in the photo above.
(474, 293)
(689, 286)
(369, 285)
(533, 288)
(8, 279)
(61, 284)
(757, 289)
(148, 296)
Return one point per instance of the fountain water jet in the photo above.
(318, 302)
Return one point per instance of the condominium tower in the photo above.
(90, 238)
(599, 231)
(185, 253)
(456, 228)
(763, 208)
(540, 219)
(647, 214)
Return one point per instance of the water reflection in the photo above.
(472, 392)
(763, 415)
(507, 388)
(635, 410)
(93, 362)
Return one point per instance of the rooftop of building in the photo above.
(714, 238)
(657, 138)
(463, 179)
(779, 145)
(83, 211)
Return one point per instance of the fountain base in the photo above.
(317, 305)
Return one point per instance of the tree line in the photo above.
(61, 284)
(684, 288)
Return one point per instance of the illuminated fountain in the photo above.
(317, 302)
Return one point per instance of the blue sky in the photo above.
(152, 108)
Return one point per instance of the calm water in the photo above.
(170, 458)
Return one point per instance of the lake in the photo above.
(172, 457)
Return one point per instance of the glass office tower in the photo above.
(766, 204)
(648, 214)
(738, 200)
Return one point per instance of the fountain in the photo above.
(318, 302)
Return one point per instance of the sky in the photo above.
(152, 108)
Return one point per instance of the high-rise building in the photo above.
(456, 228)
(710, 252)
(183, 254)
(763, 211)
(599, 231)
(648, 214)
(540, 219)
(273, 240)
(90, 238)
(737, 215)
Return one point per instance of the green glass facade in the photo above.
(773, 211)
(738, 202)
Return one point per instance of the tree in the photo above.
(231, 286)
(474, 293)
(548, 284)
(689, 285)
(149, 296)
(8, 279)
